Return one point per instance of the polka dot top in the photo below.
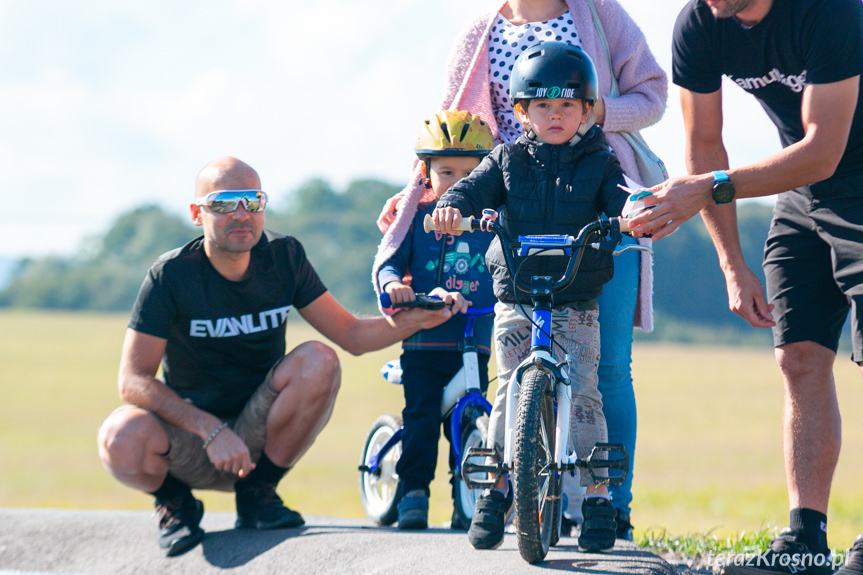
(506, 43)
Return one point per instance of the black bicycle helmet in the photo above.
(553, 70)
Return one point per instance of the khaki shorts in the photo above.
(187, 459)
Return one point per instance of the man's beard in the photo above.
(730, 8)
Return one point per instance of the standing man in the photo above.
(230, 410)
(802, 60)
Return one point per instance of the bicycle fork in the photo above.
(564, 460)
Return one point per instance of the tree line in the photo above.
(338, 231)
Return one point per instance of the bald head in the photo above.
(226, 174)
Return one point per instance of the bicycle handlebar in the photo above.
(424, 301)
(608, 229)
(467, 224)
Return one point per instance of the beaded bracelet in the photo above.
(214, 434)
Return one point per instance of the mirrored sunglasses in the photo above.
(227, 201)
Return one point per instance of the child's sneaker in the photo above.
(599, 529)
(787, 554)
(260, 507)
(414, 510)
(486, 527)
(179, 523)
(853, 564)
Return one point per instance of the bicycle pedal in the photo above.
(494, 469)
(592, 463)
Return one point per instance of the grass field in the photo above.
(709, 453)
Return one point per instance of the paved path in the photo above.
(119, 542)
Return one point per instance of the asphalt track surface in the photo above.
(68, 542)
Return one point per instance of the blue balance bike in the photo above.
(463, 405)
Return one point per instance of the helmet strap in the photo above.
(425, 171)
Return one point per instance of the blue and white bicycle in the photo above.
(463, 404)
(536, 449)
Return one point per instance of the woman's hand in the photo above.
(388, 213)
(599, 111)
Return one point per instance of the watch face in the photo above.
(723, 192)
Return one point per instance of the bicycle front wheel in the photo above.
(537, 485)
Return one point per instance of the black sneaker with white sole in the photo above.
(487, 525)
(787, 554)
(179, 523)
(260, 507)
(599, 529)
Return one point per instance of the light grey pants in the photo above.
(576, 330)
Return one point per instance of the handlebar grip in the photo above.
(624, 224)
(465, 225)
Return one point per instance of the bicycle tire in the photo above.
(380, 493)
(464, 498)
(536, 484)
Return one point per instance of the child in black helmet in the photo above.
(554, 179)
(450, 144)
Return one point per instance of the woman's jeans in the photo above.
(616, 318)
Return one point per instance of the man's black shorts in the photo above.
(813, 264)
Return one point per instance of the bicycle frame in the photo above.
(462, 391)
(601, 234)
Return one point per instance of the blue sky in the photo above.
(106, 106)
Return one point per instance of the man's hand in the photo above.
(230, 454)
(446, 219)
(746, 297)
(673, 202)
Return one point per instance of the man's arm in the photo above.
(705, 152)
(827, 111)
(360, 335)
(138, 385)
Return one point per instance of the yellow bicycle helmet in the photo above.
(453, 133)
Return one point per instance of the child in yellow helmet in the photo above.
(450, 144)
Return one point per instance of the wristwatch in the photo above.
(723, 189)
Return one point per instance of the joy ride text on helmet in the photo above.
(553, 70)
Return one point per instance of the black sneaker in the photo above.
(624, 526)
(179, 523)
(260, 507)
(787, 554)
(486, 527)
(414, 510)
(599, 529)
(853, 564)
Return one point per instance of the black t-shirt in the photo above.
(799, 42)
(223, 336)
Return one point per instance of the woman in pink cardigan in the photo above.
(477, 80)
